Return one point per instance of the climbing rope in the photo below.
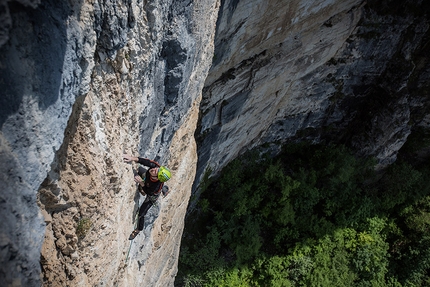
(136, 217)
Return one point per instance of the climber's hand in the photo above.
(128, 158)
(138, 179)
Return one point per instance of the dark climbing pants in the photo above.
(146, 205)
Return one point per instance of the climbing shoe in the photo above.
(134, 234)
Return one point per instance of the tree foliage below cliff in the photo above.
(313, 216)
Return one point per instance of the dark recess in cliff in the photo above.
(34, 66)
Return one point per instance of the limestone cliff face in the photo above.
(350, 71)
(83, 82)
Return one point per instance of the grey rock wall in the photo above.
(38, 91)
(260, 78)
(83, 82)
(350, 72)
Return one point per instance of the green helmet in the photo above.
(163, 174)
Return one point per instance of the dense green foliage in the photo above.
(313, 216)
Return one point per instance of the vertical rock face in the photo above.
(348, 71)
(257, 77)
(82, 83)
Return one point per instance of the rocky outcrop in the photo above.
(344, 71)
(82, 83)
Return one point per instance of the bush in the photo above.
(84, 225)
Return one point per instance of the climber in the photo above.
(150, 183)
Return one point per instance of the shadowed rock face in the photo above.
(339, 71)
(82, 83)
(31, 71)
(33, 61)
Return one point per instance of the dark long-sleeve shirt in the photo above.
(150, 187)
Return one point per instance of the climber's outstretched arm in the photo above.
(143, 161)
(130, 158)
